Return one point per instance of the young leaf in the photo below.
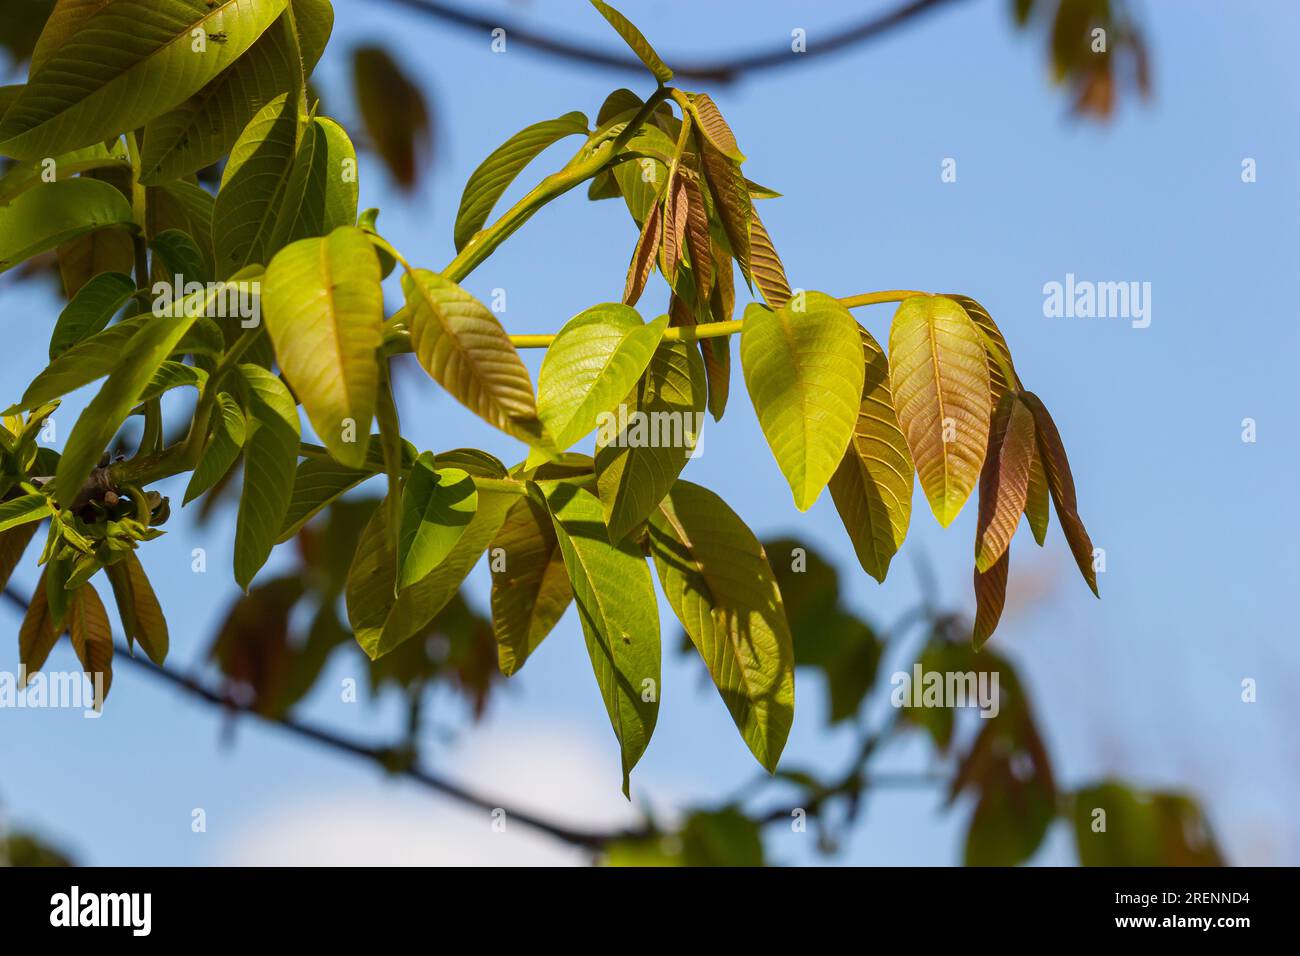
(1004, 482)
(643, 255)
(592, 364)
(321, 194)
(676, 214)
(995, 346)
(616, 605)
(40, 219)
(765, 264)
(872, 487)
(717, 579)
(200, 131)
(270, 456)
(324, 310)
(463, 347)
(698, 241)
(83, 363)
(92, 638)
(1037, 496)
(709, 119)
(731, 203)
(228, 432)
(38, 633)
(1051, 451)
(940, 380)
(110, 75)
(494, 175)
(643, 447)
(633, 38)
(804, 370)
(990, 597)
(530, 588)
(19, 511)
(137, 605)
(253, 186)
(437, 506)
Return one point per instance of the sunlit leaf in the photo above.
(270, 456)
(644, 255)
(38, 633)
(92, 638)
(42, 218)
(321, 194)
(715, 575)
(142, 616)
(940, 380)
(19, 511)
(228, 433)
(110, 75)
(498, 171)
(765, 265)
(990, 598)
(804, 369)
(462, 345)
(616, 605)
(530, 587)
(634, 39)
(1004, 482)
(324, 309)
(731, 203)
(709, 119)
(437, 506)
(24, 176)
(872, 487)
(1037, 496)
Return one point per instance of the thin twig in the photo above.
(727, 70)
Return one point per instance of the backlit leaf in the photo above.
(990, 598)
(590, 367)
(634, 39)
(995, 346)
(24, 176)
(228, 434)
(92, 638)
(38, 633)
(644, 445)
(270, 456)
(53, 213)
(1037, 496)
(437, 506)
(616, 605)
(129, 61)
(19, 511)
(731, 203)
(940, 380)
(498, 171)
(715, 575)
(872, 487)
(137, 605)
(804, 370)
(709, 119)
(530, 587)
(324, 310)
(462, 346)
(1004, 482)
(644, 255)
(321, 194)
(765, 265)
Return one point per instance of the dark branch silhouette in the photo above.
(726, 70)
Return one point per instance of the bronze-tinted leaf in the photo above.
(765, 264)
(92, 639)
(990, 598)
(37, 633)
(1037, 498)
(530, 588)
(643, 256)
(1004, 482)
(675, 217)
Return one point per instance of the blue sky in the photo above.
(1199, 529)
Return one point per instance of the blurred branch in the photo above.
(727, 70)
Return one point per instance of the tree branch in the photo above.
(728, 70)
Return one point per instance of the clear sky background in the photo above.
(1200, 529)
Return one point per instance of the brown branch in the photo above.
(727, 70)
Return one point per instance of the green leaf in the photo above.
(173, 375)
(24, 176)
(872, 487)
(228, 433)
(1037, 497)
(270, 456)
(317, 483)
(633, 38)
(530, 588)
(252, 187)
(137, 605)
(715, 575)
(463, 347)
(107, 410)
(180, 256)
(1116, 825)
(90, 310)
(25, 508)
(616, 605)
(202, 130)
(1004, 482)
(112, 73)
(92, 638)
(498, 171)
(591, 365)
(42, 218)
(645, 444)
(83, 363)
(438, 505)
(380, 620)
(940, 380)
(324, 310)
(321, 194)
(804, 370)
